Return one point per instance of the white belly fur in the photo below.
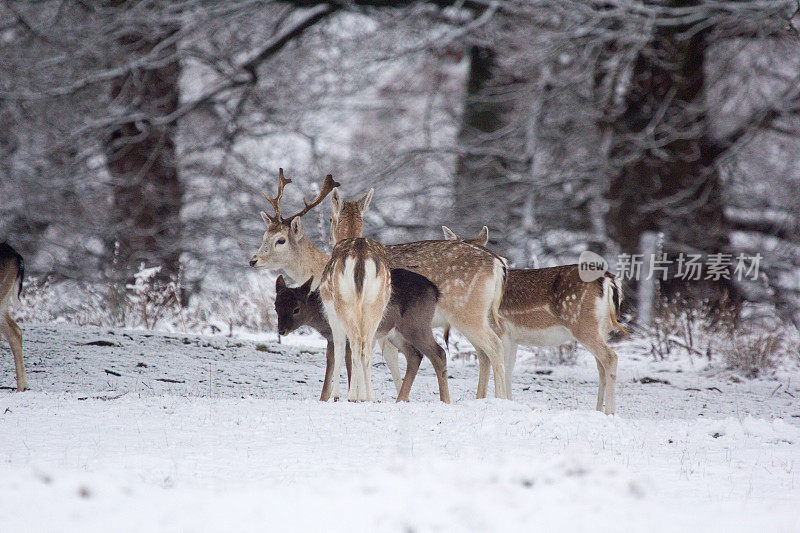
(552, 336)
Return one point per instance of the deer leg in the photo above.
(611, 380)
(483, 374)
(340, 348)
(413, 360)
(330, 371)
(368, 345)
(438, 358)
(329, 364)
(355, 393)
(348, 363)
(488, 341)
(601, 389)
(511, 359)
(420, 340)
(14, 336)
(390, 355)
(607, 369)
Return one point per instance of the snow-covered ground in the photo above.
(175, 432)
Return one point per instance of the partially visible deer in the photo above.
(469, 278)
(285, 245)
(552, 306)
(12, 272)
(299, 306)
(355, 290)
(407, 321)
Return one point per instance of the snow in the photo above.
(214, 433)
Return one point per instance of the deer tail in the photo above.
(612, 295)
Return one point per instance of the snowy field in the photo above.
(133, 431)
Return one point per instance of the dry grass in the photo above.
(749, 345)
(752, 351)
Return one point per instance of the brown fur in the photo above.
(347, 217)
(476, 315)
(350, 223)
(11, 273)
(355, 306)
(284, 241)
(471, 289)
(546, 299)
(407, 320)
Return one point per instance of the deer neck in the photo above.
(312, 263)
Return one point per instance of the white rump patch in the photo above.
(372, 286)
(346, 285)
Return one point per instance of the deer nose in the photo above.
(282, 331)
(253, 262)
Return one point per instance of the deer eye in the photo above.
(281, 241)
(296, 311)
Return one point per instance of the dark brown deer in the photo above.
(300, 306)
(12, 272)
(552, 306)
(406, 322)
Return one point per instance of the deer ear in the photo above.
(280, 284)
(363, 203)
(265, 218)
(449, 235)
(336, 200)
(483, 236)
(305, 288)
(296, 227)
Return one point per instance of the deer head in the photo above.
(293, 307)
(481, 239)
(347, 218)
(280, 245)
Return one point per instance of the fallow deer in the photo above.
(300, 306)
(355, 290)
(12, 272)
(285, 245)
(552, 306)
(407, 320)
(469, 278)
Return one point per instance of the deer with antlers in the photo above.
(553, 306)
(470, 280)
(284, 243)
(285, 247)
(12, 271)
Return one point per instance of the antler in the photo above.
(327, 186)
(282, 182)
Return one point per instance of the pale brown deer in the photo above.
(553, 306)
(12, 272)
(408, 317)
(284, 245)
(407, 320)
(355, 289)
(469, 278)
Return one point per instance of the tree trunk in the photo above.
(141, 158)
(664, 177)
(479, 184)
